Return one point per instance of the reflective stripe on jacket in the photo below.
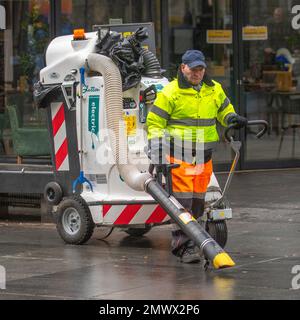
(186, 114)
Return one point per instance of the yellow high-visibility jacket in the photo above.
(183, 113)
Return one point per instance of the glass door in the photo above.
(207, 26)
(269, 85)
(84, 14)
(22, 49)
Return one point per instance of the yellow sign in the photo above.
(219, 36)
(130, 121)
(185, 217)
(217, 71)
(251, 33)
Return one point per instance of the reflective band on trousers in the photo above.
(189, 195)
(193, 122)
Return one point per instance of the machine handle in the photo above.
(151, 168)
(82, 71)
(149, 93)
(264, 123)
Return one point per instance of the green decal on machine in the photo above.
(94, 103)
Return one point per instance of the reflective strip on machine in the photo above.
(60, 136)
(134, 214)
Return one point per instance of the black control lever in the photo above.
(168, 174)
(149, 93)
(164, 169)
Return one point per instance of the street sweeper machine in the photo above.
(97, 88)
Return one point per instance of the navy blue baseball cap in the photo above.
(194, 58)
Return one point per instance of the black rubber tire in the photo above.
(87, 225)
(138, 232)
(53, 193)
(218, 231)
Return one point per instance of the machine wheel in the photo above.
(53, 193)
(138, 232)
(74, 224)
(218, 231)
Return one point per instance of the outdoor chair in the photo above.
(27, 141)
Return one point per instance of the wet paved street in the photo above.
(264, 241)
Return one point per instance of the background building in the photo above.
(239, 38)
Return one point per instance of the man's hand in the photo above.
(238, 121)
(154, 156)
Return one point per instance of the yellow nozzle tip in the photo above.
(222, 260)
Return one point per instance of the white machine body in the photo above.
(65, 54)
(110, 194)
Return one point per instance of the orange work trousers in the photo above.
(190, 183)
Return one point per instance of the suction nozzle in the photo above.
(190, 226)
(222, 260)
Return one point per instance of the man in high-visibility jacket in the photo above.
(182, 129)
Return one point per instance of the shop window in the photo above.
(189, 22)
(22, 49)
(207, 26)
(271, 79)
(85, 14)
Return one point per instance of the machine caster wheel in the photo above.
(74, 224)
(138, 232)
(218, 231)
(53, 193)
(103, 232)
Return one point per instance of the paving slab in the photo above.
(264, 241)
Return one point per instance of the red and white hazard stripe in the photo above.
(134, 214)
(60, 136)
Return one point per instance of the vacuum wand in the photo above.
(190, 226)
(81, 179)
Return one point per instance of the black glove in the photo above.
(238, 121)
(155, 152)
